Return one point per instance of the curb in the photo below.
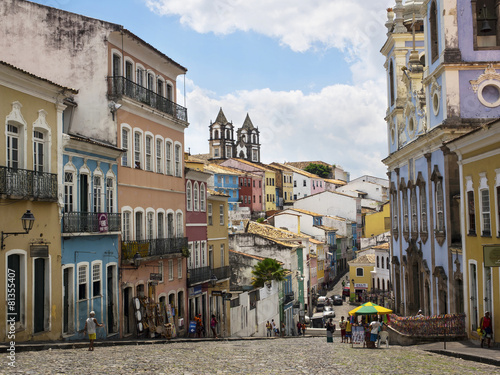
(467, 357)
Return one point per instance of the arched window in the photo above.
(378, 263)
(195, 197)
(433, 24)
(216, 134)
(180, 225)
(382, 262)
(202, 197)
(391, 82)
(189, 196)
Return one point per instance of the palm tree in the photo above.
(266, 271)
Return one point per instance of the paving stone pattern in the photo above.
(299, 355)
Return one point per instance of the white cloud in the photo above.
(340, 124)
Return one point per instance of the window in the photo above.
(126, 226)
(405, 211)
(471, 212)
(160, 226)
(360, 272)
(433, 25)
(159, 155)
(485, 212)
(304, 183)
(180, 225)
(159, 87)
(68, 192)
(222, 255)
(137, 150)
(179, 268)
(229, 153)
(394, 210)
(138, 226)
(150, 225)
(16, 264)
(221, 214)
(209, 214)
(170, 225)
(170, 269)
(125, 147)
(178, 161)
(189, 205)
(216, 151)
(196, 255)
(149, 145)
(294, 183)
(140, 77)
(170, 92)
(13, 146)
(202, 197)
(82, 282)
(129, 71)
(151, 81)
(96, 279)
(39, 151)
(439, 206)
(203, 254)
(110, 195)
(391, 83)
(195, 197)
(414, 217)
(485, 15)
(117, 64)
(97, 194)
(168, 156)
(423, 209)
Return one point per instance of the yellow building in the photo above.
(218, 259)
(361, 278)
(479, 163)
(378, 222)
(31, 110)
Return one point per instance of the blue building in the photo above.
(225, 180)
(90, 236)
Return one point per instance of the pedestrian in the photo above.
(213, 325)
(419, 314)
(299, 328)
(275, 329)
(330, 329)
(375, 325)
(269, 329)
(343, 283)
(283, 329)
(199, 324)
(303, 329)
(90, 327)
(348, 331)
(486, 330)
(342, 325)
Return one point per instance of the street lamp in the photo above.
(213, 280)
(28, 220)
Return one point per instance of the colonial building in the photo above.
(440, 85)
(30, 255)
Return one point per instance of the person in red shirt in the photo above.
(486, 328)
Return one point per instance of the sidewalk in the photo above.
(469, 350)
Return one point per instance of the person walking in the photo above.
(486, 330)
(374, 327)
(330, 330)
(348, 331)
(213, 326)
(299, 328)
(269, 329)
(90, 327)
(303, 329)
(283, 329)
(342, 325)
(275, 329)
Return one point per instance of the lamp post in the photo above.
(28, 219)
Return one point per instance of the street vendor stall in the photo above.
(368, 308)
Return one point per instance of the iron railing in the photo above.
(289, 297)
(91, 222)
(222, 272)
(22, 183)
(199, 275)
(119, 86)
(153, 247)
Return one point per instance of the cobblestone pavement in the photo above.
(301, 355)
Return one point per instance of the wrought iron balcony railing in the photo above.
(289, 297)
(119, 86)
(332, 247)
(153, 247)
(22, 183)
(199, 275)
(222, 272)
(91, 222)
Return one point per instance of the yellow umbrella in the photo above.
(370, 308)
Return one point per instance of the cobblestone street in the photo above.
(273, 356)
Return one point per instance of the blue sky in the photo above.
(309, 73)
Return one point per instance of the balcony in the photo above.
(153, 247)
(199, 275)
(25, 184)
(222, 273)
(332, 248)
(289, 297)
(120, 86)
(91, 222)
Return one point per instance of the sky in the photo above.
(309, 73)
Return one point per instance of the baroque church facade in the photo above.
(224, 145)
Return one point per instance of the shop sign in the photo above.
(216, 292)
(194, 291)
(491, 255)
(39, 251)
(360, 286)
(155, 276)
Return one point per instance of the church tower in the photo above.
(222, 144)
(248, 146)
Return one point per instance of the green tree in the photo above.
(319, 169)
(266, 271)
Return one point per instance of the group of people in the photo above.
(200, 327)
